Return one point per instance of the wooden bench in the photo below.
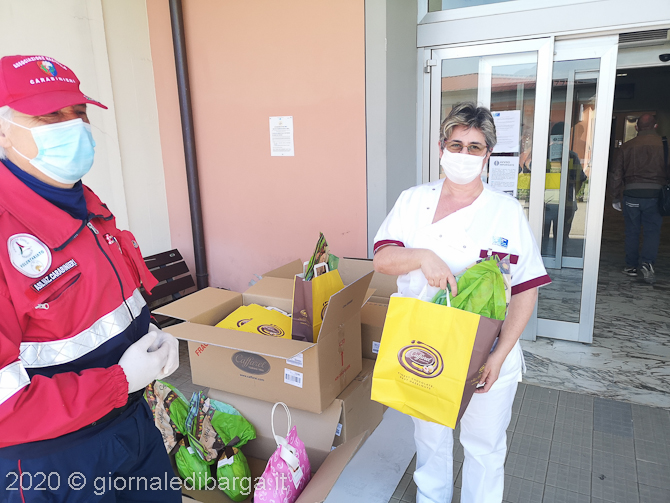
(174, 279)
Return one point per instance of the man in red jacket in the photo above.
(76, 344)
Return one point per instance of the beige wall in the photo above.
(136, 111)
(249, 61)
(106, 43)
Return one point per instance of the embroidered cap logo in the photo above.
(48, 68)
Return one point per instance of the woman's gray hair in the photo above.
(6, 114)
(468, 114)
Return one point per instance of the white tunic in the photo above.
(494, 221)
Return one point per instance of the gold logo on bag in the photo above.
(421, 360)
(243, 322)
(271, 330)
(323, 309)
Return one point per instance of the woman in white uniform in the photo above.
(433, 233)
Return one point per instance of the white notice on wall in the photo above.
(508, 124)
(281, 136)
(504, 174)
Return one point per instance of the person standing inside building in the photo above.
(637, 176)
(76, 345)
(446, 226)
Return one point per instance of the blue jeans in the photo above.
(641, 213)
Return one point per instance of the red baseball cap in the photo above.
(39, 85)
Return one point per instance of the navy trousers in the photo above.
(122, 460)
(641, 213)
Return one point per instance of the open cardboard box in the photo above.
(350, 414)
(359, 412)
(317, 489)
(373, 313)
(303, 375)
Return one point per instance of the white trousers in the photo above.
(483, 436)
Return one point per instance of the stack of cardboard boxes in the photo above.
(326, 384)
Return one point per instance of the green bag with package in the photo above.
(169, 408)
(209, 455)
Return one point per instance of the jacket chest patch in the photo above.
(29, 255)
(54, 275)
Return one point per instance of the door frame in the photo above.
(604, 48)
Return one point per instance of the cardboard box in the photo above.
(317, 489)
(303, 375)
(359, 412)
(373, 313)
(350, 414)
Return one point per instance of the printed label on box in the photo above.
(296, 361)
(293, 378)
(375, 347)
(338, 431)
(251, 363)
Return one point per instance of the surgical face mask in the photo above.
(461, 168)
(65, 150)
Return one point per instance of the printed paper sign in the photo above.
(281, 136)
(338, 431)
(504, 174)
(555, 147)
(375, 347)
(508, 127)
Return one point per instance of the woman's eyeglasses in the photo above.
(473, 149)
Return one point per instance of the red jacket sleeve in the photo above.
(44, 408)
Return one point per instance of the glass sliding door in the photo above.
(576, 172)
(552, 103)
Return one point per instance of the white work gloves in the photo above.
(617, 206)
(154, 356)
(163, 339)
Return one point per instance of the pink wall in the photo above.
(249, 61)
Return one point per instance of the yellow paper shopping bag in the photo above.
(310, 300)
(431, 358)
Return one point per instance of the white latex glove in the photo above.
(142, 366)
(163, 339)
(617, 206)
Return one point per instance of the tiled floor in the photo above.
(629, 358)
(563, 447)
(566, 447)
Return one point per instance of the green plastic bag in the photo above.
(210, 454)
(481, 290)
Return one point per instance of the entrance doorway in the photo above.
(552, 103)
(629, 356)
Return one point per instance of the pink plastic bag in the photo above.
(288, 470)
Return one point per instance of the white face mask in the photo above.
(461, 168)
